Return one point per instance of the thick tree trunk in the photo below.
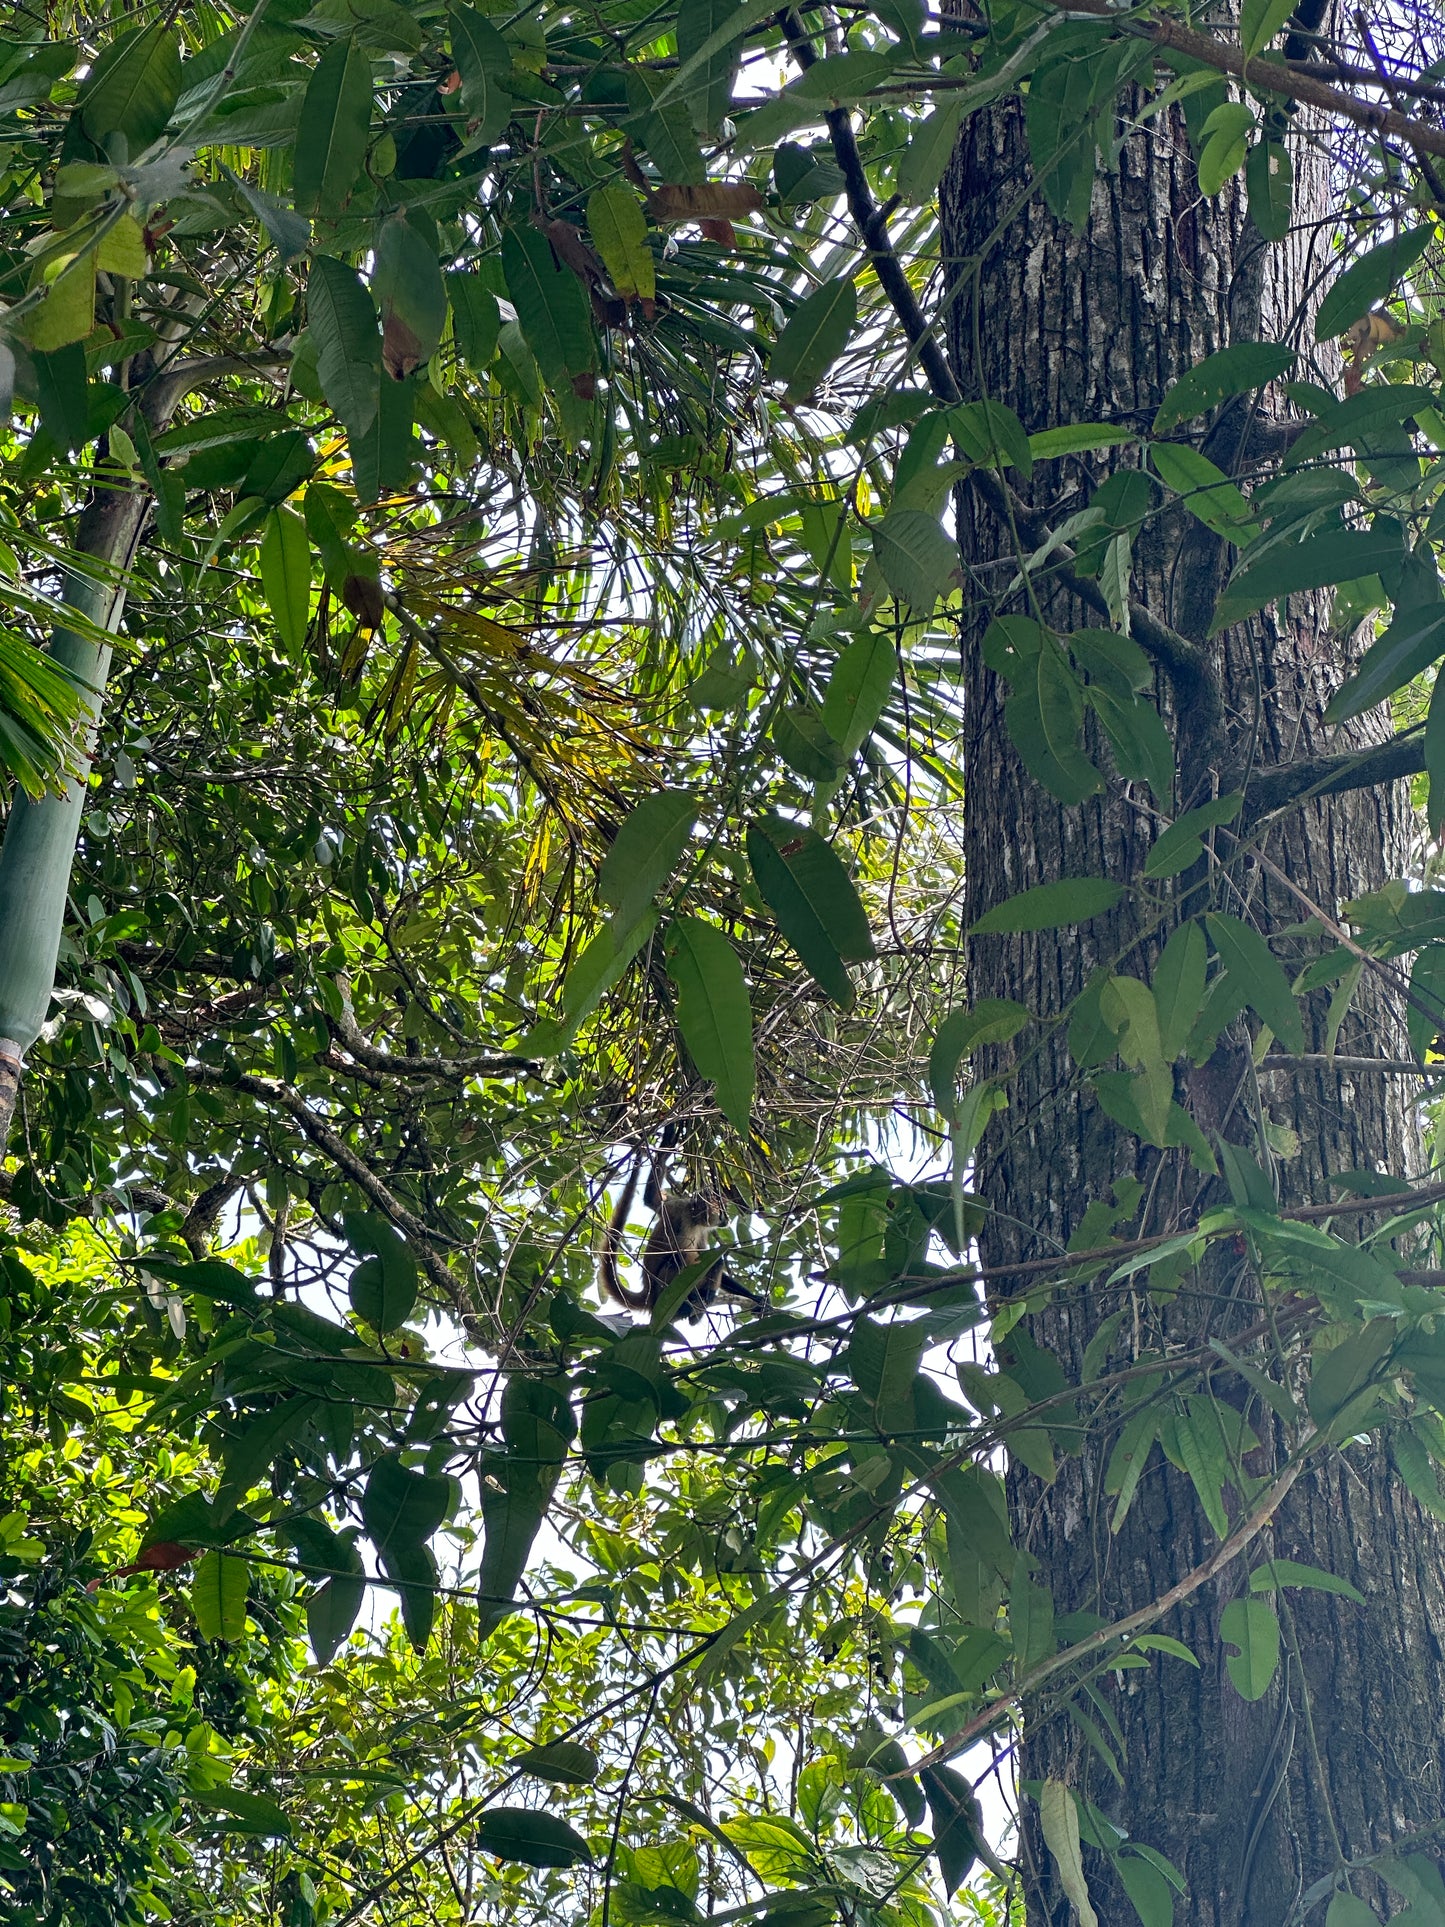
(1068, 327)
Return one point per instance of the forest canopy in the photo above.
(785, 657)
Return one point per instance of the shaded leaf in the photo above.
(714, 1013)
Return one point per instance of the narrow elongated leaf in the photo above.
(334, 126)
(815, 336)
(814, 899)
(1435, 755)
(1183, 842)
(1206, 490)
(342, 320)
(551, 307)
(218, 1595)
(1246, 956)
(1226, 133)
(859, 688)
(992, 1020)
(1179, 987)
(714, 1013)
(1250, 1625)
(1261, 20)
(1276, 1573)
(1047, 905)
(1230, 371)
(1269, 176)
(619, 232)
(1149, 1892)
(407, 281)
(645, 852)
(1369, 280)
(1059, 1819)
(563, 1762)
(286, 575)
(1319, 562)
(132, 88)
(484, 61)
(708, 53)
(1414, 640)
(250, 1813)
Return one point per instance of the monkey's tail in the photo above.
(610, 1244)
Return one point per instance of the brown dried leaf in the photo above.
(711, 200)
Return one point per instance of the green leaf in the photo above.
(859, 688)
(62, 397)
(484, 61)
(929, 150)
(1143, 748)
(1044, 717)
(1246, 956)
(1031, 1620)
(957, 1819)
(334, 128)
(1227, 132)
(1250, 1625)
(406, 279)
(248, 1455)
(218, 1595)
(708, 53)
(1435, 756)
(1150, 1894)
(1289, 1572)
(713, 1013)
(1179, 987)
(619, 232)
(1345, 1910)
(990, 434)
(814, 899)
(1261, 20)
(599, 967)
(286, 575)
(551, 307)
(916, 556)
(1414, 640)
(802, 740)
(1059, 1819)
(645, 852)
(1320, 561)
(1047, 905)
(1077, 438)
(402, 1507)
(1183, 842)
(538, 1425)
(131, 89)
(1230, 371)
(1269, 177)
(816, 334)
(332, 1607)
(992, 1020)
(1207, 491)
(383, 1286)
(535, 1839)
(250, 1813)
(563, 1762)
(341, 318)
(1369, 280)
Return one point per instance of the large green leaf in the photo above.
(1414, 640)
(858, 689)
(334, 128)
(132, 88)
(286, 575)
(1264, 986)
(383, 1286)
(619, 232)
(714, 1013)
(916, 556)
(1319, 562)
(406, 280)
(341, 317)
(645, 852)
(992, 1020)
(816, 334)
(1250, 1625)
(1369, 280)
(218, 1595)
(551, 307)
(402, 1507)
(814, 900)
(536, 1839)
(484, 60)
(1230, 371)
(246, 1812)
(1048, 905)
(708, 52)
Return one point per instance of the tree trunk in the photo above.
(1252, 1802)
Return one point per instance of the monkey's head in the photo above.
(701, 1210)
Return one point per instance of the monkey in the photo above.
(677, 1239)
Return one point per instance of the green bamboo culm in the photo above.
(39, 848)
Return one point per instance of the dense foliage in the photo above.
(512, 457)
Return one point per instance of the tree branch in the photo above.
(1272, 790)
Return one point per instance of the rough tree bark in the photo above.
(1090, 326)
